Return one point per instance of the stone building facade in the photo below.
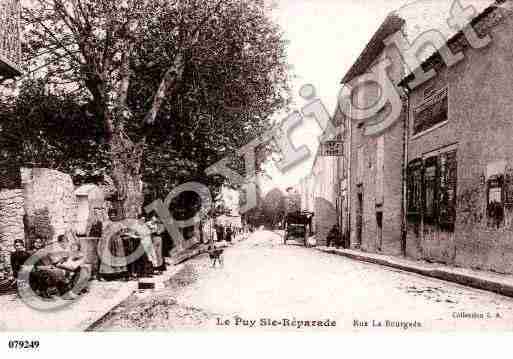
(306, 191)
(375, 171)
(321, 191)
(460, 153)
(437, 185)
(324, 196)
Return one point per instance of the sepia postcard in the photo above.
(244, 166)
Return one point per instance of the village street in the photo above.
(263, 280)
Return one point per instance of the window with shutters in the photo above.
(414, 209)
(432, 112)
(447, 190)
(432, 184)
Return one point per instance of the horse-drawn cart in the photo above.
(298, 226)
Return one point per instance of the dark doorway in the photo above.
(359, 220)
(379, 221)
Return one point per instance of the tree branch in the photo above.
(52, 35)
(171, 77)
(175, 73)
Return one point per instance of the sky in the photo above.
(325, 38)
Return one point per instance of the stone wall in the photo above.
(325, 190)
(376, 173)
(50, 202)
(324, 220)
(45, 207)
(90, 199)
(11, 224)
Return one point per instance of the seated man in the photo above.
(60, 268)
(68, 257)
(45, 280)
(18, 257)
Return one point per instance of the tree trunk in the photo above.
(126, 159)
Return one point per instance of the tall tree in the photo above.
(162, 74)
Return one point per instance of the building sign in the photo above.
(10, 45)
(332, 148)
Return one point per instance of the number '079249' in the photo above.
(23, 344)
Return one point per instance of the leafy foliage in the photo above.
(188, 81)
(42, 129)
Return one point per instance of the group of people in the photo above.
(227, 233)
(62, 268)
(224, 233)
(130, 253)
(125, 252)
(56, 269)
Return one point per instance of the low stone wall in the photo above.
(11, 224)
(45, 207)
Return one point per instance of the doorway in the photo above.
(379, 231)
(359, 220)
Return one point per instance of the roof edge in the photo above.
(392, 23)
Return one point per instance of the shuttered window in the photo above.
(430, 190)
(447, 190)
(415, 190)
(432, 112)
(431, 186)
